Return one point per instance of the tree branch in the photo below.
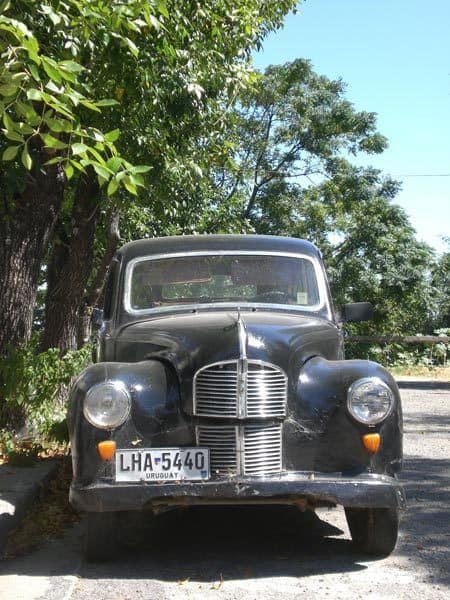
(94, 292)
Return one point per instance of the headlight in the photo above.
(107, 405)
(370, 400)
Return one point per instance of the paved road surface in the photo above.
(271, 552)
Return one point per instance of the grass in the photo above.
(439, 373)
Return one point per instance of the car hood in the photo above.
(191, 341)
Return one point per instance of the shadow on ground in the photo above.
(204, 545)
(422, 384)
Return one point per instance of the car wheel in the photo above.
(373, 530)
(100, 542)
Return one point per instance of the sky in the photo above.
(394, 56)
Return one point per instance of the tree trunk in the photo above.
(26, 225)
(69, 269)
(93, 294)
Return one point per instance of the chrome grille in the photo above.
(262, 449)
(215, 390)
(242, 449)
(240, 388)
(266, 391)
(221, 442)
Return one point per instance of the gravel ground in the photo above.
(269, 552)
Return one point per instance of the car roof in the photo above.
(199, 243)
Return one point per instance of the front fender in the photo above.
(324, 433)
(155, 418)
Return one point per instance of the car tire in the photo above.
(101, 539)
(374, 531)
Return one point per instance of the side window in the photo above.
(109, 289)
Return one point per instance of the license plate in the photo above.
(162, 464)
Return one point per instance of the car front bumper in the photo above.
(365, 490)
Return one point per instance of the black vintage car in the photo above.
(221, 379)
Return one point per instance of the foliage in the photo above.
(440, 282)
(403, 355)
(290, 174)
(34, 380)
(78, 73)
(45, 90)
(288, 128)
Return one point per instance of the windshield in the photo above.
(222, 278)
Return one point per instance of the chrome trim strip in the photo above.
(240, 450)
(183, 307)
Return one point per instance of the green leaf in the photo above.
(90, 105)
(34, 72)
(33, 94)
(114, 163)
(141, 169)
(102, 171)
(60, 109)
(8, 89)
(26, 110)
(137, 180)
(71, 66)
(34, 56)
(97, 155)
(113, 135)
(5, 5)
(107, 102)
(74, 96)
(132, 46)
(77, 165)
(68, 168)
(130, 186)
(10, 153)
(59, 125)
(154, 21)
(9, 123)
(50, 85)
(12, 135)
(162, 8)
(78, 148)
(54, 161)
(51, 69)
(24, 128)
(52, 142)
(19, 76)
(112, 186)
(26, 158)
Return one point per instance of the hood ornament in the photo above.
(242, 333)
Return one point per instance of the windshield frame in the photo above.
(320, 277)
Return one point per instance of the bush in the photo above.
(36, 383)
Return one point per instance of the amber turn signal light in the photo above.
(106, 449)
(371, 442)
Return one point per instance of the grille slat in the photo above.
(259, 448)
(262, 447)
(221, 442)
(239, 388)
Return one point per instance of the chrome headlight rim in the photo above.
(376, 381)
(116, 385)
